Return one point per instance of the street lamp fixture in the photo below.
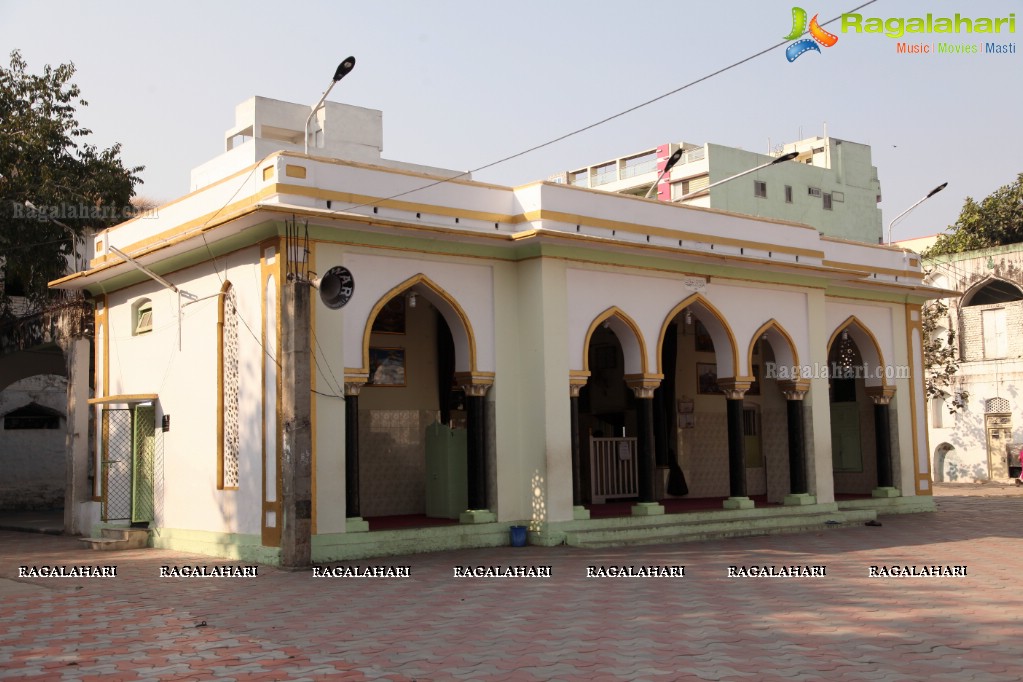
(672, 160)
(780, 159)
(903, 214)
(343, 69)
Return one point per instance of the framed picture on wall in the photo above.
(391, 318)
(704, 344)
(386, 366)
(707, 378)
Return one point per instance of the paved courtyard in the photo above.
(433, 626)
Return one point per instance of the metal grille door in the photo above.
(117, 469)
(144, 464)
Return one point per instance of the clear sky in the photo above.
(465, 83)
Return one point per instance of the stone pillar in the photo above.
(580, 460)
(643, 386)
(734, 390)
(799, 494)
(354, 523)
(475, 388)
(882, 397)
(76, 484)
(296, 409)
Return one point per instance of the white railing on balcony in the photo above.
(613, 469)
(639, 169)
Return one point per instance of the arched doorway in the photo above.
(698, 352)
(778, 394)
(33, 424)
(944, 457)
(858, 398)
(609, 420)
(416, 426)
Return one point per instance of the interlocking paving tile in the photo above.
(285, 625)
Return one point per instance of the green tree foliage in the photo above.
(46, 163)
(941, 360)
(995, 221)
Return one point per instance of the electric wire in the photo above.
(607, 119)
(486, 166)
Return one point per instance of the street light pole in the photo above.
(342, 70)
(672, 160)
(901, 215)
(780, 159)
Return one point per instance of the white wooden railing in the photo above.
(613, 470)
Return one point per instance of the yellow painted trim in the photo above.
(699, 298)
(851, 320)
(383, 202)
(268, 173)
(912, 274)
(910, 326)
(180, 233)
(271, 536)
(311, 267)
(457, 179)
(395, 291)
(638, 228)
(532, 216)
(773, 324)
(293, 171)
(705, 209)
(101, 354)
(243, 171)
(615, 311)
(127, 398)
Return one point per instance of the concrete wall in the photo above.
(852, 182)
(32, 460)
(183, 372)
(958, 442)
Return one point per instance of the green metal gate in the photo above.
(144, 460)
(131, 464)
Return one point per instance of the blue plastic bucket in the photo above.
(518, 536)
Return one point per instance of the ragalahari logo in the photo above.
(818, 35)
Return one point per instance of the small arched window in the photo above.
(141, 317)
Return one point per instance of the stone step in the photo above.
(683, 530)
(119, 539)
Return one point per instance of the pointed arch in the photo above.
(454, 315)
(991, 289)
(720, 332)
(629, 336)
(870, 349)
(784, 347)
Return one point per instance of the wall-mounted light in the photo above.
(411, 299)
(689, 316)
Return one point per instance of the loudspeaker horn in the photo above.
(336, 287)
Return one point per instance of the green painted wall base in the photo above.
(354, 546)
(799, 500)
(477, 516)
(738, 503)
(221, 545)
(356, 524)
(885, 492)
(647, 509)
(580, 513)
